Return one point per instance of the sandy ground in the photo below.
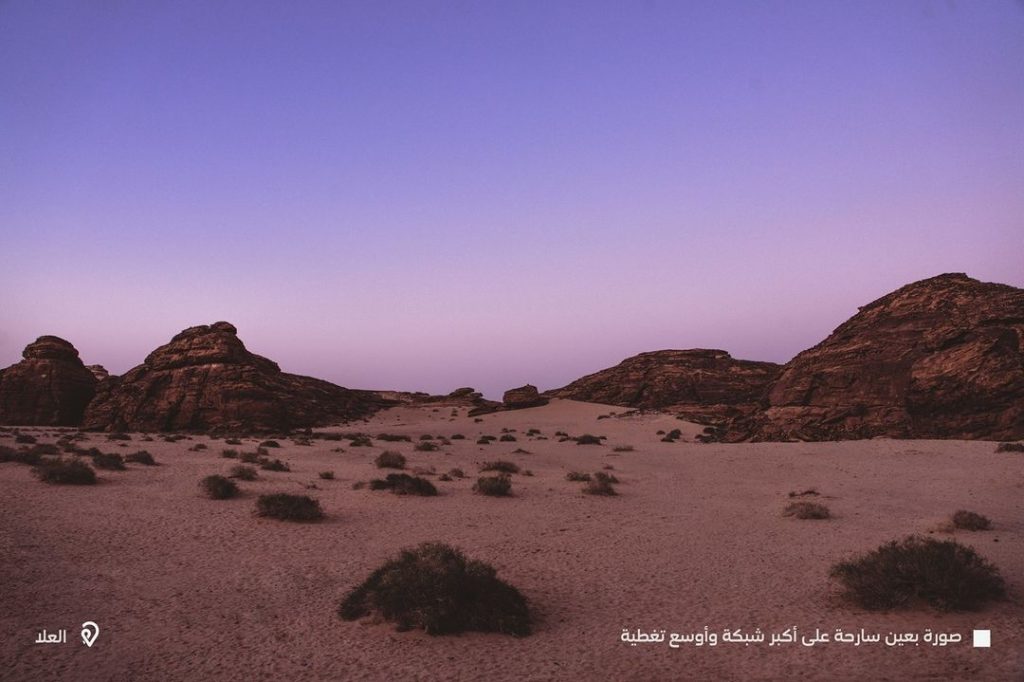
(187, 588)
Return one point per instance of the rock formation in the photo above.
(49, 387)
(939, 358)
(523, 397)
(205, 379)
(98, 371)
(700, 384)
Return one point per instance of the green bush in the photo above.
(941, 573)
(434, 587)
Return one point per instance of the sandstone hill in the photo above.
(49, 387)
(205, 379)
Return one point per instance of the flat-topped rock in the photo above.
(49, 387)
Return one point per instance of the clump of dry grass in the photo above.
(244, 473)
(968, 520)
(807, 510)
(494, 486)
(389, 459)
(64, 472)
(601, 484)
(287, 507)
(404, 484)
(1010, 447)
(217, 487)
(500, 465)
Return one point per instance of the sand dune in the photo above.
(184, 587)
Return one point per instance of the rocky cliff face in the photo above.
(49, 387)
(701, 384)
(939, 358)
(205, 379)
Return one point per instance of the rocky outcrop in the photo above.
(98, 371)
(939, 358)
(523, 397)
(205, 379)
(49, 387)
(699, 384)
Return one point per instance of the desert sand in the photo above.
(184, 587)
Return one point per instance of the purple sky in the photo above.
(428, 195)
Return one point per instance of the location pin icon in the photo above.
(90, 631)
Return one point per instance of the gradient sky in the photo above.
(425, 195)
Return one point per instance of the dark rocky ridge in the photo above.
(700, 384)
(49, 387)
(939, 358)
(205, 379)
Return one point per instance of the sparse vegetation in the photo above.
(198, 447)
(457, 473)
(270, 444)
(578, 476)
(426, 446)
(588, 439)
(361, 442)
(110, 462)
(404, 484)
(458, 436)
(217, 487)
(899, 574)
(494, 486)
(389, 459)
(141, 457)
(436, 588)
(1010, 447)
(807, 510)
(623, 448)
(64, 472)
(274, 465)
(804, 493)
(118, 436)
(244, 473)
(229, 453)
(672, 436)
(968, 520)
(507, 438)
(600, 484)
(500, 465)
(232, 441)
(327, 475)
(287, 507)
(24, 439)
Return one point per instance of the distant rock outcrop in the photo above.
(98, 371)
(523, 397)
(49, 387)
(700, 384)
(205, 379)
(939, 358)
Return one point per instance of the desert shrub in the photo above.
(141, 457)
(500, 465)
(118, 436)
(393, 438)
(434, 587)
(804, 493)
(577, 476)
(588, 439)
(111, 461)
(968, 520)
(404, 484)
(250, 457)
(426, 436)
(198, 447)
(672, 436)
(361, 442)
(270, 444)
(24, 439)
(533, 432)
(45, 449)
(457, 473)
(507, 438)
(483, 441)
(602, 476)
(288, 507)
(389, 459)
(232, 441)
(458, 436)
(807, 510)
(274, 465)
(244, 473)
(327, 475)
(64, 472)
(599, 484)
(494, 486)
(520, 451)
(1010, 447)
(229, 453)
(302, 441)
(426, 446)
(444, 477)
(217, 487)
(623, 448)
(899, 574)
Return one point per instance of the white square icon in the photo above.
(983, 638)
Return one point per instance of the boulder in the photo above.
(205, 379)
(523, 397)
(49, 387)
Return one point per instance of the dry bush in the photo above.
(217, 487)
(941, 573)
(286, 507)
(64, 472)
(968, 520)
(806, 510)
(577, 476)
(1010, 447)
(500, 465)
(434, 587)
(404, 484)
(389, 459)
(244, 473)
(494, 486)
(141, 457)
